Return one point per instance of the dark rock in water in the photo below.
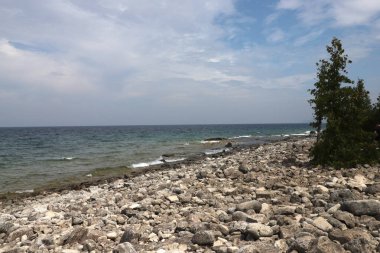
(203, 238)
(215, 139)
(125, 247)
(130, 236)
(369, 207)
(228, 145)
(359, 245)
(78, 234)
(325, 245)
(250, 205)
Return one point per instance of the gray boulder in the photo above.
(204, 238)
(369, 207)
(124, 247)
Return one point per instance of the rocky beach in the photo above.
(262, 199)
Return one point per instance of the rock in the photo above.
(322, 224)
(345, 217)
(243, 168)
(241, 216)
(124, 247)
(18, 233)
(76, 221)
(203, 238)
(324, 245)
(369, 207)
(341, 195)
(5, 226)
(284, 210)
(265, 194)
(78, 234)
(359, 245)
(173, 198)
(257, 230)
(373, 189)
(258, 247)
(344, 236)
(303, 242)
(130, 235)
(232, 173)
(111, 235)
(249, 205)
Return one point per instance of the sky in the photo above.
(137, 62)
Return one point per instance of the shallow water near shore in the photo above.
(37, 156)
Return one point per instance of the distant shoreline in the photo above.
(129, 172)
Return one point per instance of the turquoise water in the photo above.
(34, 156)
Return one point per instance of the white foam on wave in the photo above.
(209, 142)
(241, 136)
(186, 144)
(216, 151)
(174, 160)
(160, 160)
(67, 158)
(307, 133)
(25, 191)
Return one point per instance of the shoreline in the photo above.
(130, 172)
(255, 199)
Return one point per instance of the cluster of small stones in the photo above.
(260, 199)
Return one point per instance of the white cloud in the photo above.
(341, 13)
(276, 35)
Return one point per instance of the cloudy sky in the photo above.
(121, 62)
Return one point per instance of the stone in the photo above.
(324, 245)
(111, 235)
(345, 217)
(373, 189)
(130, 235)
(124, 247)
(359, 245)
(322, 224)
(78, 234)
(303, 242)
(284, 210)
(249, 205)
(369, 207)
(76, 221)
(203, 238)
(5, 226)
(257, 230)
(241, 216)
(232, 173)
(258, 247)
(173, 198)
(18, 233)
(344, 236)
(341, 195)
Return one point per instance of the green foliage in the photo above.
(346, 108)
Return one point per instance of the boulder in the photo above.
(124, 247)
(258, 247)
(322, 224)
(78, 234)
(345, 217)
(369, 207)
(203, 238)
(324, 245)
(249, 205)
(303, 242)
(359, 245)
(257, 230)
(344, 236)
